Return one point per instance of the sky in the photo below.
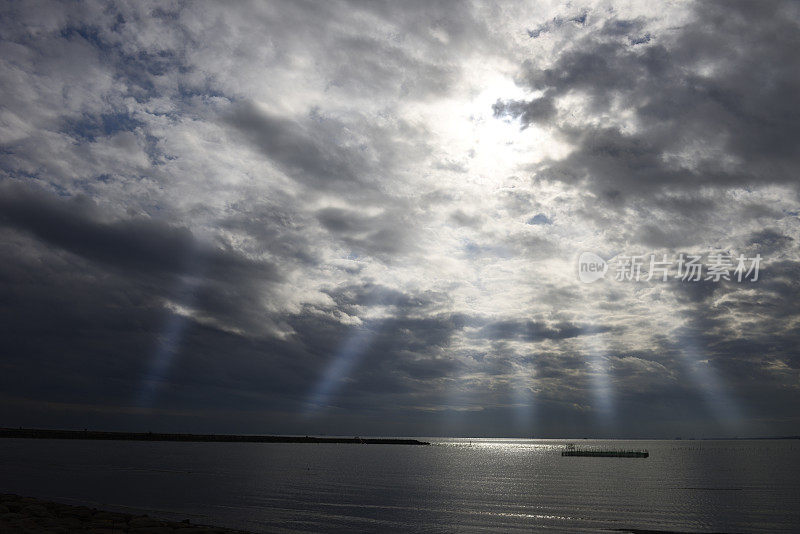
(367, 218)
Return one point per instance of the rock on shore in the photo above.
(28, 515)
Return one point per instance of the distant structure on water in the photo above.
(571, 450)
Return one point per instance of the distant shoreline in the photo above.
(32, 433)
(37, 433)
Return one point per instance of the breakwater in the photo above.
(32, 433)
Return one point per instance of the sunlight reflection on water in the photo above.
(499, 485)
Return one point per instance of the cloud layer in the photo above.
(366, 217)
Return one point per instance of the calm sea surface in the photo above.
(455, 485)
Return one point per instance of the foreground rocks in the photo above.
(28, 515)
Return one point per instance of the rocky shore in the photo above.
(28, 515)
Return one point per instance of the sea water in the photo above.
(453, 485)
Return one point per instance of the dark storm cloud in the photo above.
(319, 154)
(746, 331)
(374, 294)
(726, 83)
(381, 236)
(769, 241)
(396, 355)
(143, 245)
(557, 366)
(213, 372)
(77, 335)
(301, 152)
(407, 357)
(536, 330)
(700, 291)
(274, 228)
(154, 252)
